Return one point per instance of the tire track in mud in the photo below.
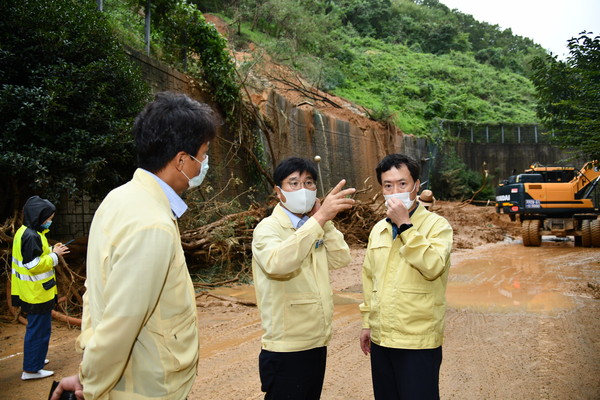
(549, 327)
(348, 374)
(568, 355)
(464, 346)
(545, 351)
(542, 344)
(565, 342)
(491, 356)
(229, 348)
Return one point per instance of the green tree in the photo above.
(569, 95)
(196, 46)
(68, 95)
(369, 17)
(452, 180)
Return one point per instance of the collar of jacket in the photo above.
(282, 217)
(416, 216)
(149, 184)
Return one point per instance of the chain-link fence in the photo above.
(496, 133)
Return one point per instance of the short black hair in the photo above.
(397, 160)
(291, 165)
(173, 122)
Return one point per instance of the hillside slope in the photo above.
(413, 63)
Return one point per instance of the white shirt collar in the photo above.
(178, 206)
(293, 217)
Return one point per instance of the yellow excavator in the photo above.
(554, 200)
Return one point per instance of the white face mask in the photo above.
(300, 201)
(403, 197)
(198, 179)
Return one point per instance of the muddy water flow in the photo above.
(510, 277)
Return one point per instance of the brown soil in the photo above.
(521, 323)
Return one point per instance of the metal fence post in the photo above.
(147, 27)
(471, 133)
(535, 131)
(502, 126)
(487, 134)
(519, 133)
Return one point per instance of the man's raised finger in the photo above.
(338, 187)
(346, 192)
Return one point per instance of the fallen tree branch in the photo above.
(65, 318)
(227, 298)
(307, 92)
(216, 284)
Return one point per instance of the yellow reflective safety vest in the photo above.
(33, 282)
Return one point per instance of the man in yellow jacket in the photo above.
(292, 252)
(405, 273)
(139, 333)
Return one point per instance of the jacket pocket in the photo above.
(183, 342)
(49, 284)
(177, 339)
(303, 317)
(413, 311)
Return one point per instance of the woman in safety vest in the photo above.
(33, 283)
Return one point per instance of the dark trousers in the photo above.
(296, 375)
(402, 374)
(37, 339)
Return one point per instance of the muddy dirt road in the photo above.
(522, 323)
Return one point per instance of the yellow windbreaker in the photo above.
(139, 332)
(291, 279)
(404, 282)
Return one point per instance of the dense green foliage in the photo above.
(68, 95)
(413, 62)
(452, 180)
(429, 26)
(186, 33)
(569, 96)
(418, 88)
(181, 36)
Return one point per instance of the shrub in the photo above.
(68, 95)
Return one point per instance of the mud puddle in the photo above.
(511, 277)
(246, 293)
(503, 277)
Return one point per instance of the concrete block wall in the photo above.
(73, 218)
(161, 77)
(502, 159)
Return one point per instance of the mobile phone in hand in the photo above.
(66, 395)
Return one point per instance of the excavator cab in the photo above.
(554, 200)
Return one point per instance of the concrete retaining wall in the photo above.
(346, 151)
(502, 159)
